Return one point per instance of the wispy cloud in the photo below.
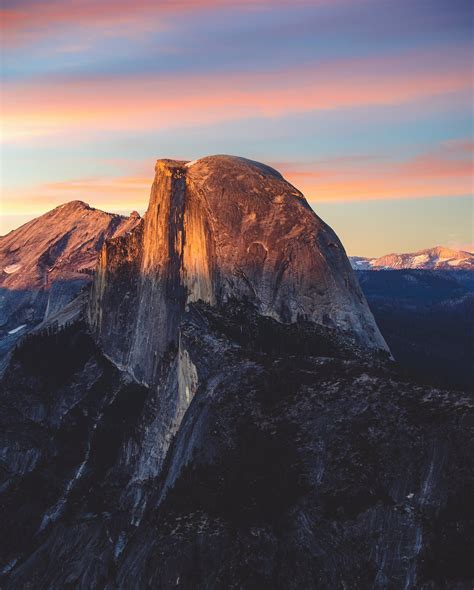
(452, 159)
(444, 172)
(24, 22)
(140, 103)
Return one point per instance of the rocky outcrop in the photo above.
(218, 229)
(296, 465)
(46, 262)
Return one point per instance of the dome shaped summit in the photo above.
(216, 229)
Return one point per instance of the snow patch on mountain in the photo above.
(15, 330)
(437, 258)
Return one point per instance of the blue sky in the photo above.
(365, 105)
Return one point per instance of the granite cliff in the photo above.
(218, 229)
(223, 413)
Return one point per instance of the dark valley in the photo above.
(427, 319)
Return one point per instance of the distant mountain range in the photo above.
(437, 258)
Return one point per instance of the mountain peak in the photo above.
(435, 258)
(218, 229)
(75, 204)
(444, 251)
(237, 163)
(227, 399)
(46, 261)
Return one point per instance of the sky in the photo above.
(364, 105)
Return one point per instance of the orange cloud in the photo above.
(436, 167)
(150, 103)
(446, 171)
(339, 179)
(451, 159)
(379, 186)
(110, 194)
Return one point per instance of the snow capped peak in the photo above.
(437, 258)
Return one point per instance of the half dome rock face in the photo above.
(218, 229)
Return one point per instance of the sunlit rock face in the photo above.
(218, 229)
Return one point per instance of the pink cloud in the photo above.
(444, 171)
(338, 179)
(94, 105)
(450, 159)
(118, 17)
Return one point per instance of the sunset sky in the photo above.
(364, 105)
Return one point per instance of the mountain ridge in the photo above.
(46, 262)
(435, 258)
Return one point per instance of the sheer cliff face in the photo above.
(217, 229)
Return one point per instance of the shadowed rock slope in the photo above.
(297, 465)
(427, 318)
(207, 425)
